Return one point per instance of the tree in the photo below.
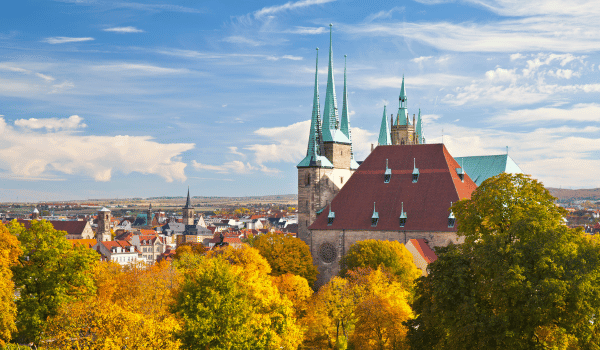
(50, 273)
(9, 254)
(286, 254)
(373, 253)
(227, 301)
(296, 289)
(521, 280)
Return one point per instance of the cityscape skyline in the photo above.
(107, 99)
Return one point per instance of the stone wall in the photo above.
(321, 242)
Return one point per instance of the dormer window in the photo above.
(330, 217)
(461, 174)
(451, 218)
(415, 173)
(402, 216)
(374, 217)
(388, 173)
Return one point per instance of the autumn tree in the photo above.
(392, 255)
(50, 273)
(521, 280)
(296, 289)
(286, 254)
(9, 254)
(227, 301)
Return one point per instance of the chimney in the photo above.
(372, 147)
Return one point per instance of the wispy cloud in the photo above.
(135, 6)
(45, 77)
(64, 39)
(237, 39)
(271, 10)
(124, 30)
(307, 30)
(383, 14)
(235, 166)
(583, 112)
(141, 68)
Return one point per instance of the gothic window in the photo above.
(402, 141)
(327, 252)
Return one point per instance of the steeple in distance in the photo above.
(330, 111)
(401, 119)
(188, 203)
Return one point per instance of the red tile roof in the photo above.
(426, 202)
(71, 227)
(423, 248)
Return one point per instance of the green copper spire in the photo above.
(401, 119)
(345, 124)
(331, 129)
(330, 112)
(384, 131)
(314, 138)
(419, 129)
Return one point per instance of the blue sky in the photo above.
(113, 98)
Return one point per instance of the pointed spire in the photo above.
(402, 106)
(344, 125)
(419, 129)
(330, 112)
(188, 204)
(384, 130)
(313, 138)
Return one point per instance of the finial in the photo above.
(317, 49)
(386, 164)
(506, 149)
(330, 25)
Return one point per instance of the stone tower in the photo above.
(35, 215)
(403, 132)
(103, 232)
(188, 211)
(149, 215)
(329, 160)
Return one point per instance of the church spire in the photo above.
(402, 118)
(330, 113)
(313, 138)
(419, 129)
(384, 131)
(188, 204)
(345, 124)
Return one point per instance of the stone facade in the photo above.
(328, 259)
(316, 189)
(339, 154)
(103, 232)
(404, 134)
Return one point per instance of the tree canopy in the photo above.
(9, 254)
(50, 273)
(286, 254)
(521, 280)
(392, 255)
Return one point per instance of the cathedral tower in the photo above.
(329, 160)
(402, 131)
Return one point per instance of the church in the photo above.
(403, 190)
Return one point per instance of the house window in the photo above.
(402, 222)
(374, 217)
(415, 173)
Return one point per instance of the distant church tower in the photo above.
(103, 231)
(188, 211)
(35, 215)
(329, 160)
(402, 131)
(149, 215)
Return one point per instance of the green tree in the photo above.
(521, 280)
(9, 254)
(392, 255)
(50, 273)
(286, 254)
(227, 301)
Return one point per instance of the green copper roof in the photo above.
(314, 161)
(330, 112)
(345, 122)
(384, 130)
(402, 118)
(313, 145)
(481, 168)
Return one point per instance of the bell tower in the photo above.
(103, 231)
(188, 211)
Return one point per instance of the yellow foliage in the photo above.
(102, 324)
(9, 254)
(246, 257)
(296, 289)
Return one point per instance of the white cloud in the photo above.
(293, 58)
(500, 74)
(6, 67)
(372, 81)
(45, 77)
(383, 14)
(271, 10)
(140, 68)
(421, 59)
(234, 150)
(564, 155)
(123, 30)
(65, 85)
(27, 153)
(286, 143)
(307, 30)
(64, 39)
(516, 56)
(235, 166)
(52, 124)
(577, 113)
